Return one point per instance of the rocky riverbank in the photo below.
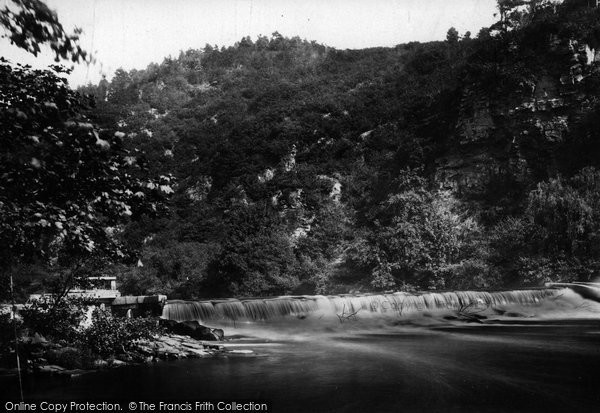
(178, 341)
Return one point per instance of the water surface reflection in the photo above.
(524, 366)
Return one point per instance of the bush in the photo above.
(59, 321)
(109, 335)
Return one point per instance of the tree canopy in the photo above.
(64, 187)
(300, 168)
(30, 24)
(67, 187)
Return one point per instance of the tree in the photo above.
(511, 13)
(64, 187)
(30, 23)
(416, 235)
(515, 14)
(122, 90)
(452, 35)
(558, 236)
(256, 256)
(567, 211)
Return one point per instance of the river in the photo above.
(374, 364)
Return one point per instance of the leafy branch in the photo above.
(30, 23)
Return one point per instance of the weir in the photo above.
(347, 305)
(587, 290)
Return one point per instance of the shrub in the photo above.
(109, 335)
(58, 320)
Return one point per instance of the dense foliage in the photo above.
(91, 332)
(66, 186)
(54, 320)
(108, 335)
(293, 167)
(467, 163)
(31, 24)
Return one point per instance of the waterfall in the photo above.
(393, 304)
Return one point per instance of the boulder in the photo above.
(193, 329)
(220, 334)
(169, 325)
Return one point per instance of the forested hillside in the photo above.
(298, 168)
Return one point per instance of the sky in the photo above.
(133, 33)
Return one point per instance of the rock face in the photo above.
(193, 329)
(519, 135)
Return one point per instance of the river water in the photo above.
(374, 364)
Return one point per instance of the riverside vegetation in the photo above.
(56, 339)
(283, 166)
(298, 168)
